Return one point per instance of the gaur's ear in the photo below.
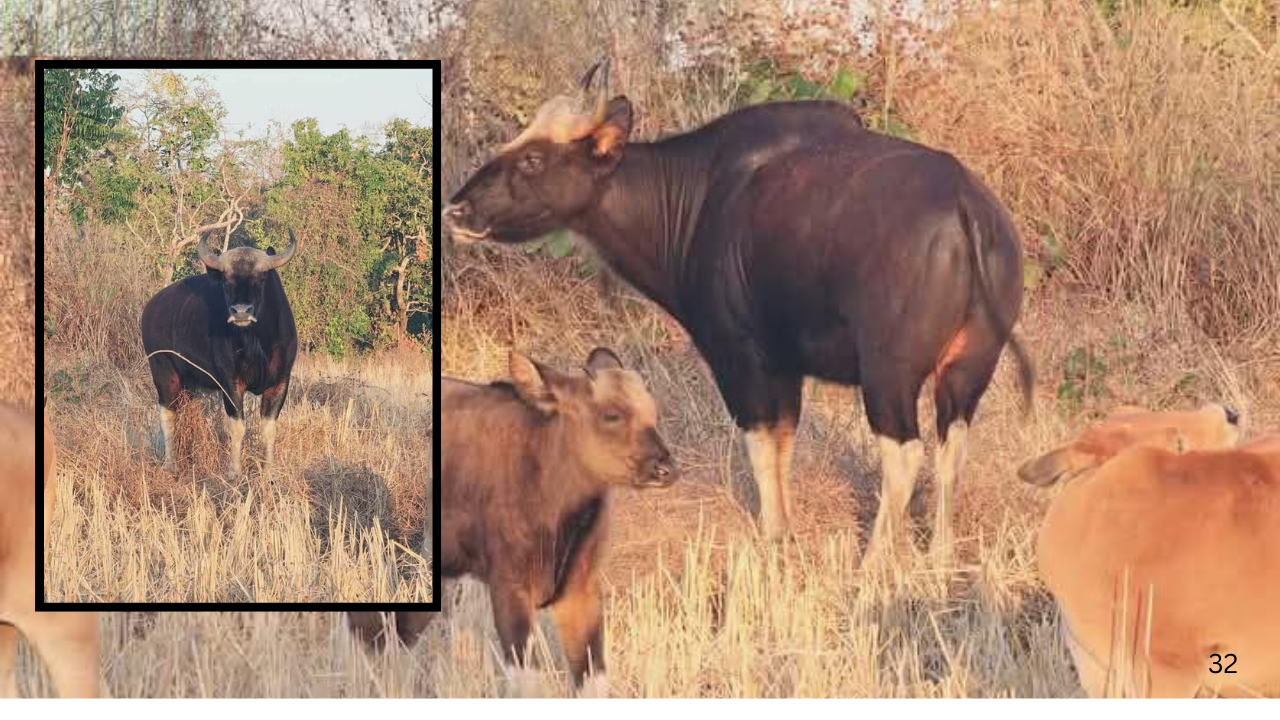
(532, 382)
(601, 359)
(607, 139)
(1057, 466)
(271, 249)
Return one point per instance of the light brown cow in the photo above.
(1163, 553)
(68, 642)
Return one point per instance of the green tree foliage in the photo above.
(364, 214)
(80, 117)
(361, 207)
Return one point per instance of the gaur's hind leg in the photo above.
(891, 410)
(168, 389)
(959, 385)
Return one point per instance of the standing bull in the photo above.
(67, 642)
(234, 331)
(790, 242)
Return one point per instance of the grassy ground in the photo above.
(696, 605)
(340, 518)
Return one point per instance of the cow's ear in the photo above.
(1057, 466)
(608, 139)
(601, 359)
(533, 382)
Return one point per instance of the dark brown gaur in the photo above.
(234, 323)
(526, 471)
(789, 241)
(67, 642)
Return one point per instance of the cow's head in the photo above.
(550, 173)
(242, 273)
(610, 417)
(1211, 427)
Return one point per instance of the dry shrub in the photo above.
(1141, 151)
(226, 28)
(95, 288)
(17, 238)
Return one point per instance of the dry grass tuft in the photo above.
(1140, 151)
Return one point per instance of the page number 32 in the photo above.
(1217, 664)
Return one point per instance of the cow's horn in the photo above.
(214, 262)
(275, 261)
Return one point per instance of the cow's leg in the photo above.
(1093, 676)
(272, 402)
(514, 614)
(959, 385)
(68, 644)
(8, 658)
(769, 422)
(890, 399)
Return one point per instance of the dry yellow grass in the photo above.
(695, 604)
(339, 519)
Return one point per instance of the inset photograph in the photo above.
(238, 331)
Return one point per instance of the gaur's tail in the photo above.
(1026, 369)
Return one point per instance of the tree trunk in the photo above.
(402, 304)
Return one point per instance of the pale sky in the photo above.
(354, 98)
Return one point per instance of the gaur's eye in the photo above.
(530, 163)
(611, 417)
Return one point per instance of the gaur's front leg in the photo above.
(235, 431)
(514, 614)
(272, 402)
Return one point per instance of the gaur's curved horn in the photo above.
(594, 102)
(564, 118)
(214, 262)
(275, 261)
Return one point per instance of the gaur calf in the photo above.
(526, 470)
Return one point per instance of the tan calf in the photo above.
(68, 642)
(1163, 553)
